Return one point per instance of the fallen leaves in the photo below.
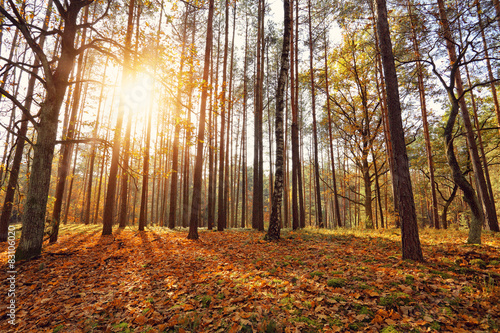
(235, 282)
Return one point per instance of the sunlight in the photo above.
(138, 92)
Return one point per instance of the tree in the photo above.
(425, 123)
(21, 135)
(455, 59)
(273, 232)
(409, 229)
(175, 149)
(258, 165)
(198, 167)
(56, 82)
(319, 213)
(67, 149)
(109, 203)
(221, 217)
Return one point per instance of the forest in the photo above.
(277, 143)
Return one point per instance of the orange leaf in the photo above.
(140, 319)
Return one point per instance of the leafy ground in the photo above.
(311, 281)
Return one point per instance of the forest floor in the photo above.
(234, 281)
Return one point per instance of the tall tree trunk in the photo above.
(336, 209)
(23, 130)
(319, 213)
(301, 186)
(174, 173)
(109, 203)
(295, 129)
(230, 115)
(409, 229)
(211, 152)
(379, 73)
(480, 140)
(185, 206)
(273, 232)
(221, 217)
(198, 167)
(88, 193)
(143, 211)
(30, 244)
(489, 210)
(258, 175)
(423, 107)
(244, 132)
(123, 215)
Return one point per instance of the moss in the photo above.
(336, 282)
(389, 329)
(205, 301)
(58, 328)
(409, 279)
(316, 273)
(394, 299)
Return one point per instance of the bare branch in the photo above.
(20, 106)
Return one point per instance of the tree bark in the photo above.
(273, 232)
(23, 130)
(30, 244)
(336, 209)
(489, 211)
(109, 203)
(67, 149)
(258, 173)
(423, 107)
(295, 130)
(319, 213)
(221, 217)
(198, 167)
(409, 229)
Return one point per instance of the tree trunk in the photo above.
(244, 132)
(273, 232)
(23, 130)
(109, 203)
(295, 130)
(301, 186)
(444, 214)
(258, 175)
(221, 217)
(198, 167)
(409, 229)
(174, 172)
(319, 213)
(489, 210)
(86, 215)
(423, 106)
(336, 209)
(385, 119)
(30, 244)
(211, 162)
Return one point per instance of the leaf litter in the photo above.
(233, 281)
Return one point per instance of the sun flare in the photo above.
(138, 92)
